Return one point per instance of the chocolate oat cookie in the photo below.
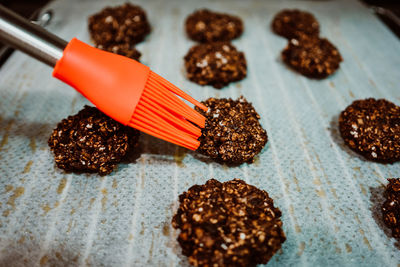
(208, 26)
(216, 64)
(91, 142)
(313, 57)
(233, 133)
(391, 207)
(372, 128)
(126, 24)
(290, 23)
(123, 50)
(228, 224)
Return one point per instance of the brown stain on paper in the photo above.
(28, 166)
(46, 208)
(321, 193)
(9, 188)
(61, 185)
(32, 145)
(18, 192)
(4, 140)
(363, 190)
(317, 181)
(21, 240)
(297, 228)
(44, 260)
(92, 200)
(151, 246)
(179, 156)
(302, 246)
(104, 199)
(165, 229)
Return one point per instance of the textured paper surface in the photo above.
(328, 195)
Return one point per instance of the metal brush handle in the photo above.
(30, 38)
(388, 14)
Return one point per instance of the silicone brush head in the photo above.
(129, 92)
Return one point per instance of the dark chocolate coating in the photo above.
(91, 142)
(313, 57)
(228, 224)
(372, 128)
(291, 23)
(207, 26)
(216, 64)
(233, 133)
(125, 24)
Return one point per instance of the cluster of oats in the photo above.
(313, 57)
(228, 224)
(207, 26)
(118, 29)
(371, 127)
(291, 23)
(233, 133)
(90, 141)
(216, 64)
(306, 52)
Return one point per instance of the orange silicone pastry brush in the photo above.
(124, 89)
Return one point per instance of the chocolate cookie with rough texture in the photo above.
(228, 224)
(291, 23)
(216, 64)
(391, 207)
(126, 24)
(372, 128)
(208, 26)
(123, 50)
(90, 141)
(233, 133)
(313, 57)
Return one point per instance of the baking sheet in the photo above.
(328, 195)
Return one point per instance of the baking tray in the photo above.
(328, 195)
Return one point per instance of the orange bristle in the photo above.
(178, 104)
(177, 91)
(162, 114)
(170, 117)
(169, 100)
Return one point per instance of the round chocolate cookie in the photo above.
(313, 57)
(233, 133)
(122, 24)
(91, 142)
(216, 64)
(123, 50)
(372, 128)
(208, 26)
(391, 207)
(228, 224)
(290, 23)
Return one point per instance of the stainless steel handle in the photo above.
(388, 14)
(30, 38)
